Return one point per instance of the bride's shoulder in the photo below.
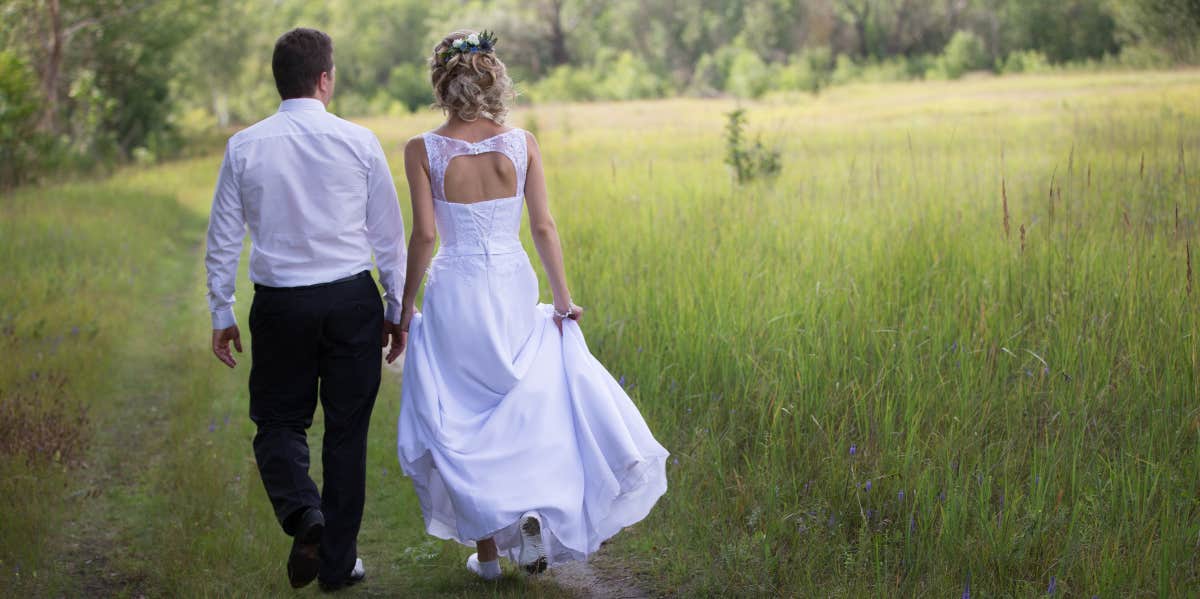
(414, 148)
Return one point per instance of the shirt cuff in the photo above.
(391, 313)
(223, 319)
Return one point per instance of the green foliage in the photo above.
(807, 71)
(612, 76)
(629, 78)
(965, 52)
(129, 69)
(24, 152)
(749, 161)
(748, 75)
(1025, 61)
(1035, 404)
(1173, 25)
(409, 84)
(1063, 30)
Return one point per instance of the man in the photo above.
(318, 199)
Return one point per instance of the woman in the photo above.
(516, 439)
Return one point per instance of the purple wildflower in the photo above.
(912, 522)
(675, 461)
(1053, 585)
(621, 381)
(942, 496)
(900, 496)
(74, 331)
(832, 521)
(967, 591)
(870, 514)
(867, 486)
(212, 425)
(853, 449)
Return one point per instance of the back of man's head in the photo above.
(301, 55)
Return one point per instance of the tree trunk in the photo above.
(559, 54)
(52, 67)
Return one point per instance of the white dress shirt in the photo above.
(316, 194)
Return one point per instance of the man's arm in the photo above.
(385, 233)
(226, 229)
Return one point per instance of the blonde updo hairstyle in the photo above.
(470, 85)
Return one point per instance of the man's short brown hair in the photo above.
(301, 55)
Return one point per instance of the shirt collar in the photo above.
(301, 104)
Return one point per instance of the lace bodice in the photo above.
(487, 227)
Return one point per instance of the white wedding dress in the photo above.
(500, 414)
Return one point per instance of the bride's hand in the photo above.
(575, 313)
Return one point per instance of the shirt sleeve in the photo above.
(226, 229)
(385, 231)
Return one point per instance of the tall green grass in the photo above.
(870, 385)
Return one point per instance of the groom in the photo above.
(318, 199)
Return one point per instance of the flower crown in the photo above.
(472, 44)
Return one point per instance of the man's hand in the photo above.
(398, 338)
(220, 344)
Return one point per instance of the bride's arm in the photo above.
(424, 233)
(545, 232)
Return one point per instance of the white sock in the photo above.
(486, 570)
(490, 569)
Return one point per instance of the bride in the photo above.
(516, 439)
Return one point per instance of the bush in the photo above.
(566, 84)
(711, 75)
(846, 71)
(896, 68)
(629, 78)
(1025, 61)
(963, 53)
(748, 75)
(1143, 57)
(749, 162)
(24, 152)
(808, 71)
(409, 85)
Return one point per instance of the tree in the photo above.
(1173, 25)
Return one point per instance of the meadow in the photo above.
(951, 350)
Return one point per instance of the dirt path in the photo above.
(601, 577)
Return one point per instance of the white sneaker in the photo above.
(485, 570)
(533, 553)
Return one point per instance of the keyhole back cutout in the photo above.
(482, 177)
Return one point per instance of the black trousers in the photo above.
(309, 341)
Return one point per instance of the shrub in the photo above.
(1025, 61)
(409, 85)
(24, 152)
(846, 71)
(748, 162)
(748, 76)
(629, 78)
(712, 72)
(963, 53)
(565, 83)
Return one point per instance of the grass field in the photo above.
(952, 347)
